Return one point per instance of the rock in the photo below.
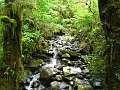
(66, 55)
(70, 63)
(81, 85)
(41, 87)
(88, 76)
(65, 86)
(36, 63)
(48, 72)
(72, 54)
(46, 76)
(78, 81)
(42, 56)
(71, 70)
(85, 48)
(33, 69)
(71, 83)
(85, 71)
(35, 84)
(97, 84)
(58, 78)
(83, 66)
(69, 78)
(65, 61)
(80, 76)
(55, 85)
(68, 38)
(84, 87)
(60, 67)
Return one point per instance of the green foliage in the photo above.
(30, 41)
(96, 59)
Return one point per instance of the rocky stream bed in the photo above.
(63, 70)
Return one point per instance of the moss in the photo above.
(7, 20)
(37, 63)
(72, 54)
(13, 22)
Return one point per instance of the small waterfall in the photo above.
(53, 60)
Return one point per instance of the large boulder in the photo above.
(47, 74)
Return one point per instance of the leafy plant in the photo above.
(30, 41)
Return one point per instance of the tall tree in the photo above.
(12, 71)
(109, 11)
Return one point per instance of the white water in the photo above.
(53, 60)
(35, 78)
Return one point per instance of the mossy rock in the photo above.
(84, 87)
(58, 77)
(47, 60)
(46, 76)
(68, 38)
(65, 61)
(42, 56)
(55, 85)
(66, 55)
(69, 78)
(36, 63)
(81, 86)
(85, 48)
(72, 54)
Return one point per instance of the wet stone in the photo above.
(55, 85)
(62, 68)
(58, 78)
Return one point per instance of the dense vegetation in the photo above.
(43, 19)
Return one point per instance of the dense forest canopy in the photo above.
(78, 39)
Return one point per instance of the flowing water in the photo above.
(76, 70)
(53, 60)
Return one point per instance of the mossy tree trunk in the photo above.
(110, 17)
(12, 71)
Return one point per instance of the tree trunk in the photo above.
(109, 11)
(12, 71)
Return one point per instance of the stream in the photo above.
(65, 71)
